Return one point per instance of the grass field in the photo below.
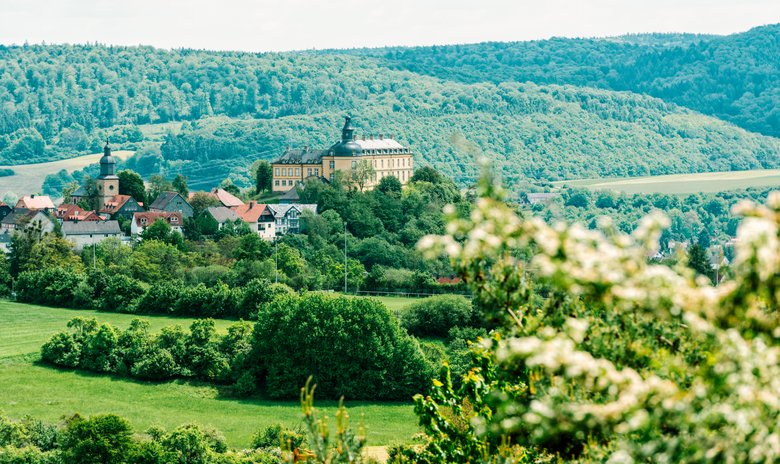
(683, 183)
(27, 388)
(28, 178)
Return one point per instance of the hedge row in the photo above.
(120, 293)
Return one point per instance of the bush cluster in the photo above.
(436, 315)
(121, 293)
(174, 352)
(353, 347)
(110, 439)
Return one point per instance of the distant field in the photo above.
(28, 178)
(683, 183)
(47, 393)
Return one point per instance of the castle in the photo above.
(372, 158)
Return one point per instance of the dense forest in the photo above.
(542, 110)
(735, 78)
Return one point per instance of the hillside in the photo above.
(735, 78)
(64, 101)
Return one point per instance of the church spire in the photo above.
(107, 163)
(347, 132)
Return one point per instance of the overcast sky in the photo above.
(267, 25)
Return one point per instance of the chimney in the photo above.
(251, 204)
(381, 136)
(305, 148)
(371, 137)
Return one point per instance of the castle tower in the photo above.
(107, 182)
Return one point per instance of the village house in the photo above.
(287, 217)
(384, 155)
(120, 206)
(5, 210)
(87, 233)
(21, 219)
(71, 212)
(227, 199)
(143, 220)
(221, 215)
(171, 202)
(544, 198)
(36, 202)
(260, 218)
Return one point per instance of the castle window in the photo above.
(276, 172)
(276, 182)
(332, 164)
(284, 171)
(308, 172)
(316, 171)
(297, 171)
(354, 165)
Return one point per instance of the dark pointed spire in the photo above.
(107, 149)
(347, 131)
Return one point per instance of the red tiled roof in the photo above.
(68, 212)
(148, 218)
(448, 280)
(114, 204)
(251, 211)
(35, 202)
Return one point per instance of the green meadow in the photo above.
(682, 183)
(28, 388)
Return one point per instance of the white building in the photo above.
(88, 233)
(143, 220)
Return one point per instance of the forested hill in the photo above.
(60, 101)
(735, 77)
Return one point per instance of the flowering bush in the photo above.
(604, 356)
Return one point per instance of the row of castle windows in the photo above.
(391, 163)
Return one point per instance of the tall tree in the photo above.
(180, 185)
(157, 185)
(263, 177)
(362, 173)
(131, 183)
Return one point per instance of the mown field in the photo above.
(28, 388)
(683, 183)
(28, 178)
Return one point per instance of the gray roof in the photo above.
(19, 215)
(80, 192)
(281, 210)
(90, 227)
(291, 195)
(222, 214)
(305, 156)
(163, 199)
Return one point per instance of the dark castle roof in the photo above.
(305, 156)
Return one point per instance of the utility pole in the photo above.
(345, 257)
(276, 262)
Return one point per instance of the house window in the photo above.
(276, 172)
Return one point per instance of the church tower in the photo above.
(107, 182)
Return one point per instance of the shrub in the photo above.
(258, 292)
(62, 349)
(353, 347)
(105, 439)
(156, 365)
(52, 286)
(121, 294)
(160, 298)
(275, 436)
(435, 316)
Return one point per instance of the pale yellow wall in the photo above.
(400, 165)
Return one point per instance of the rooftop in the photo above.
(90, 227)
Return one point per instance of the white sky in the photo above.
(266, 25)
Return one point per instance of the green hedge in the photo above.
(436, 315)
